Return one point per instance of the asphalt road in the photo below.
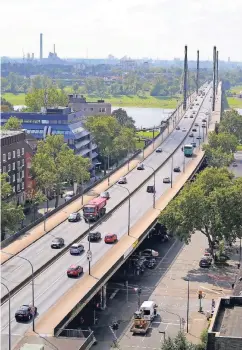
(53, 282)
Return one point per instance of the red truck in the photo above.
(94, 209)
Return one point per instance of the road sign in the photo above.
(89, 255)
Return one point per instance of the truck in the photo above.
(143, 317)
(94, 209)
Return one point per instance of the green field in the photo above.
(234, 102)
(126, 101)
(236, 89)
(14, 99)
(239, 148)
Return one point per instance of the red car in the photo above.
(74, 271)
(110, 238)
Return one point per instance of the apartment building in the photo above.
(79, 103)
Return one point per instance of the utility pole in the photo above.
(197, 80)
(214, 76)
(185, 81)
(217, 73)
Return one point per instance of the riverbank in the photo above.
(126, 101)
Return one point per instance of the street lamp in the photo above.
(171, 170)
(148, 166)
(32, 275)
(129, 197)
(9, 316)
(188, 298)
(173, 313)
(89, 253)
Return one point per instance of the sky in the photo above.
(133, 28)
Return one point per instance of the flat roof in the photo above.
(7, 133)
(232, 322)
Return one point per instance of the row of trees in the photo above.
(212, 204)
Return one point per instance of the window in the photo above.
(4, 169)
(18, 152)
(22, 151)
(102, 110)
(4, 157)
(9, 167)
(13, 189)
(14, 166)
(14, 154)
(22, 162)
(18, 164)
(45, 122)
(22, 174)
(13, 177)
(9, 155)
(18, 187)
(22, 185)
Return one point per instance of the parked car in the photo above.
(166, 180)
(204, 262)
(74, 271)
(110, 238)
(105, 195)
(178, 127)
(140, 166)
(74, 217)
(122, 180)
(150, 252)
(25, 313)
(57, 242)
(94, 236)
(158, 150)
(234, 164)
(177, 169)
(76, 248)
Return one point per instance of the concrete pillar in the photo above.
(103, 297)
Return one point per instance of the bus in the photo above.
(188, 150)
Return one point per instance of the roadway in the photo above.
(53, 283)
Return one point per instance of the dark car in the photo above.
(74, 217)
(199, 138)
(58, 242)
(122, 180)
(205, 262)
(194, 144)
(177, 169)
(25, 313)
(76, 249)
(191, 135)
(194, 129)
(166, 180)
(94, 236)
(204, 120)
(150, 189)
(140, 167)
(178, 127)
(74, 271)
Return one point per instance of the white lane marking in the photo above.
(114, 293)
(211, 290)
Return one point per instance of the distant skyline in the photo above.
(136, 28)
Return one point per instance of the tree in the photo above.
(6, 106)
(48, 97)
(54, 163)
(125, 141)
(200, 206)
(225, 141)
(216, 157)
(11, 214)
(232, 123)
(180, 343)
(75, 88)
(123, 118)
(13, 123)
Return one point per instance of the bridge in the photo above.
(60, 299)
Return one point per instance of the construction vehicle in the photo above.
(94, 209)
(144, 317)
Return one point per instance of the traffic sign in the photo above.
(89, 255)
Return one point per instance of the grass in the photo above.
(14, 99)
(234, 102)
(239, 148)
(126, 101)
(144, 134)
(236, 89)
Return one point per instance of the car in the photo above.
(234, 164)
(76, 248)
(25, 313)
(68, 195)
(110, 238)
(204, 125)
(185, 116)
(105, 194)
(150, 189)
(166, 180)
(194, 112)
(197, 104)
(207, 113)
(74, 217)
(74, 271)
(158, 150)
(191, 116)
(178, 127)
(191, 135)
(196, 99)
(184, 130)
(194, 129)
(58, 242)
(207, 255)
(191, 107)
(204, 120)
(199, 138)
(141, 167)
(122, 180)
(194, 144)
(196, 124)
(94, 236)
(204, 262)
(177, 169)
(149, 252)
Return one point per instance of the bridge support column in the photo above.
(103, 297)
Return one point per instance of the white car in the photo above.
(159, 150)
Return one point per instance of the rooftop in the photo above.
(7, 133)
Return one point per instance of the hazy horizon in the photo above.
(94, 29)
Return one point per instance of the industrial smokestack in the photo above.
(217, 73)
(41, 47)
(214, 76)
(185, 81)
(197, 79)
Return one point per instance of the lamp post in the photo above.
(148, 166)
(32, 275)
(129, 197)
(173, 313)
(9, 316)
(188, 299)
(171, 170)
(89, 253)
